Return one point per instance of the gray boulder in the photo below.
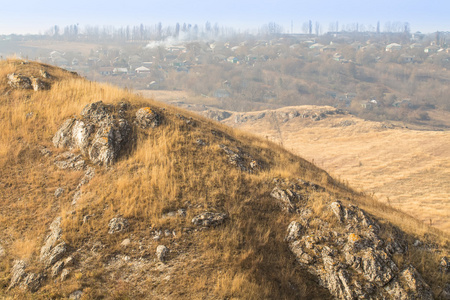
(19, 81)
(146, 118)
(209, 219)
(409, 285)
(117, 224)
(161, 252)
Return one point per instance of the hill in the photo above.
(108, 195)
(404, 167)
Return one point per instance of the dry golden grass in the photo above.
(408, 169)
(246, 258)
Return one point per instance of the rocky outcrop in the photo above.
(54, 248)
(409, 285)
(99, 133)
(209, 219)
(19, 277)
(117, 224)
(350, 259)
(146, 118)
(240, 159)
(18, 81)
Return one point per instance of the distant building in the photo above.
(142, 69)
(393, 47)
(233, 60)
(105, 71)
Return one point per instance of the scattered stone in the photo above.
(240, 159)
(86, 218)
(146, 118)
(200, 142)
(285, 198)
(209, 219)
(444, 265)
(181, 212)
(161, 252)
(59, 191)
(39, 85)
(76, 197)
(44, 74)
(2, 251)
(57, 267)
(118, 224)
(69, 160)
(65, 274)
(69, 261)
(125, 243)
(76, 295)
(417, 243)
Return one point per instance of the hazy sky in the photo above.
(31, 16)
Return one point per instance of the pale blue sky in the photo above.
(31, 16)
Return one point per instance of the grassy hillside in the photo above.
(403, 167)
(166, 169)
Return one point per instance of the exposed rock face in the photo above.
(99, 133)
(54, 248)
(240, 159)
(285, 198)
(19, 81)
(17, 273)
(161, 252)
(146, 118)
(118, 224)
(409, 285)
(350, 259)
(208, 219)
(19, 277)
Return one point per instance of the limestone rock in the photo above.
(32, 282)
(125, 243)
(55, 254)
(146, 118)
(294, 231)
(100, 134)
(117, 224)
(51, 239)
(285, 198)
(444, 265)
(409, 285)
(76, 295)
(38, 84)
(17, 273)
(57, 268)
(351, 260)
(59, 191)
(69, 160)
(19, 81)
(65, 274)
(2, 251)
(209, 219)
(161, 252)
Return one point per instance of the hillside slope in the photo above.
(405, 168)
(107, 195)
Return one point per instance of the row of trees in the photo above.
(194, 31)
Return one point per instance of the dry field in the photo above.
(409, 169)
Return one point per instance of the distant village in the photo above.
(170, 63)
